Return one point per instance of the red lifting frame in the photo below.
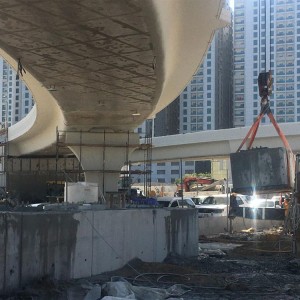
(253, 130)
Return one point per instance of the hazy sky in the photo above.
(231, 3)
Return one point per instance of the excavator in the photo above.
(193, 183)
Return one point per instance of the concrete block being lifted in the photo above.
(262, 170)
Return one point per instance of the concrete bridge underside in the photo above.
(101, 66)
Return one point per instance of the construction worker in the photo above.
(233, 204)
(286, 206)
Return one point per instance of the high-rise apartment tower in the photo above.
(266, 37)
(16, 100)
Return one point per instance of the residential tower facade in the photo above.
(205, 104)
(16, 100)
(266, 37)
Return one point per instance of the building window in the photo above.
(161, 180)
(161, 164)
(161, 172)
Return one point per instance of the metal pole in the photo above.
(227, 190)
(66, 187)
(56, 160)
(181, 182)
(103, 161)
(6, 151)
(129, 178)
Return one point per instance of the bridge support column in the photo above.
(102, 155)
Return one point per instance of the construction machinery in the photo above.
(190, 184)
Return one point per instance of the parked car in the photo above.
(176, 202)
(261, 202)
(214, 205)
(217, 205)
(198, 199)
(279, 199)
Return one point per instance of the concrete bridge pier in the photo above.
(102, 155)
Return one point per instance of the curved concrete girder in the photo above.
(186, 31)
(99, 56)
(38, 129)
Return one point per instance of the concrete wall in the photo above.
(65, 245)
(216, 225)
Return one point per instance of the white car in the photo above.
(198, 199)
(217, 205)
(176, 202)
(259, 202)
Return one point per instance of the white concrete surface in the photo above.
(178, 22)
(77, 192)
(94, 65)
(65, 245)
(102, 66)
(102, 155)
(217, 143)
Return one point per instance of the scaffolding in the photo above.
(125, 174)
(48, 173)
(148, 158)
(3, 161)
(30, 178)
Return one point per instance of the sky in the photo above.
(231, 3)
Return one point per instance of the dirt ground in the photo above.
(249, 265)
